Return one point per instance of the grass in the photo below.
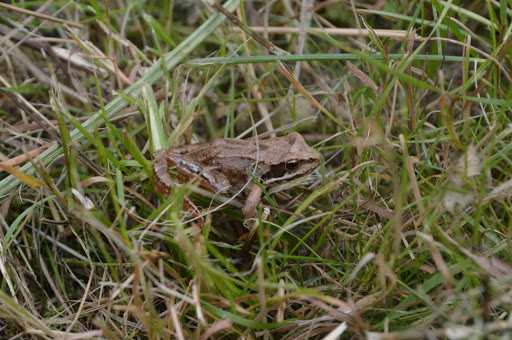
(403, 232)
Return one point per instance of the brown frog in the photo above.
(224, 165)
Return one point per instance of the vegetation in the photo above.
(403, 232)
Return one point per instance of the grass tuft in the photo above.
(403, 232)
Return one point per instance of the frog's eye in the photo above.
(292, 165)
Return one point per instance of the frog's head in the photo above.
(292, 158)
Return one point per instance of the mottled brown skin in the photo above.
(224, 165)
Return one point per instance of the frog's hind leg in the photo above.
(164, 183)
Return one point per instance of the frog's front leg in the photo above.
(250, 208)
(250, 211)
